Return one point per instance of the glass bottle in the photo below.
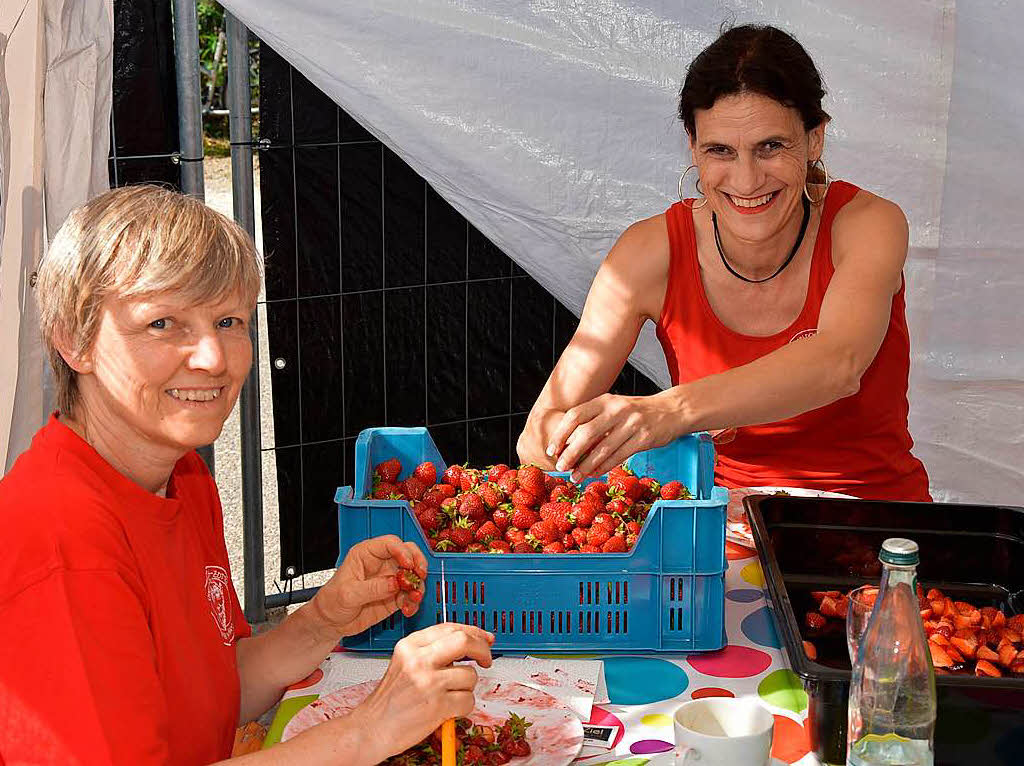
(892, 690)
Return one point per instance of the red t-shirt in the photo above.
(118, 618)
(859, 445)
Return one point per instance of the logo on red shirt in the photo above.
(804, 334)
(217, 584)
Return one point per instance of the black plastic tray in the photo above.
(970, 552)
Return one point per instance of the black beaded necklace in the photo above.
(785, 263)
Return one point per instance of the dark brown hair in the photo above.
(753, 59)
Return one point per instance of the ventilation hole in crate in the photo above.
(671, 589)
(589, 629)
(618, 592)
(617, 618)
(679, 618)
(609, 630)
(589, 594)
(625, 622)
(609, 600)
(504, 624)
(553, 622)
(474, 594)
(568, 622)
(465, 618)
(579, 623)
(437, 617)
(437, 596)
(540, 622)
(483, 599)
(597, 593)
(671, 619)
(581, 591)
(465, 592)
(625, 592)
(473, 619)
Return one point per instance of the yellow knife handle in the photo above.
(448, 743)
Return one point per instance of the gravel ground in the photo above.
(227, 450)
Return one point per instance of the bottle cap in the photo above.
(899, 551)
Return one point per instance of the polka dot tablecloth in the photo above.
(644, 691)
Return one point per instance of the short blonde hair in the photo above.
(132, 242)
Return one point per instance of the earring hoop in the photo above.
(828, 181)
(692, 206)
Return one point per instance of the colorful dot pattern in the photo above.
(644, 691)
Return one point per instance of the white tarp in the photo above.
(55, 89)
(550, 124)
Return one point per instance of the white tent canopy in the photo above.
(550, 125)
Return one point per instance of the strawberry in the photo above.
(508, 481)
(614, 544)
(476, 547)
(514, 535)
(426, 472)
(560, 492)
(408, 580)
(630, 540)
(468, 479)
(389, 470)
(452, 475)
(555, 547)
(488, 531)
(491, 494)
(598, 536)
(442, 544)
(496, 471)
(461, 533)
(523, 518)
(604, 520)
(810, 650)
(627, 487)
(568, 541)
(588, 548)
(413, 488)
(385, 490)
(501, 515)
(814, 621)
(561, 517)
(525, 546)
(584, 514)
(598, 490)
(431, 517)
(434, 497)
(674, 490)
(531, 478)
(523, 498)
(579, 536)
(651, 488)
(632, 527)
(618, 472)
(619, 506)
(446, 489)
(544, 532)
(500, 546)
(471, 505)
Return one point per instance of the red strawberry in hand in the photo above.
(408, 581)
(427, 473)
(389, 470)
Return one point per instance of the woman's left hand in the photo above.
(364, 590)
(598, 435)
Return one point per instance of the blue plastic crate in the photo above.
(667, 594)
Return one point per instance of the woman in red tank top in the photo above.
(777, 295)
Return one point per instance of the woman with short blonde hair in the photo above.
(120, 631)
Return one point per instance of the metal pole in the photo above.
(240, 127)
(190, 119)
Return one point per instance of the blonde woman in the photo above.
(121, 636)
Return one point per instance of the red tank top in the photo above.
(859, 445)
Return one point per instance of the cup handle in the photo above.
(685, 754)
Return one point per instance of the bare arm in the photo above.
(628, 290)
(869, 249)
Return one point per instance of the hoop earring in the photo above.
(828, 182)
(692, 206)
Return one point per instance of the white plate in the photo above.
(737, 528)
(555, 737)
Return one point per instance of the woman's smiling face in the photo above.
(163, 373)
(752, 154)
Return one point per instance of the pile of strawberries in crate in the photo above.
(959, 633)
(524, 510)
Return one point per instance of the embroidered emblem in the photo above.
(804, 334)
(217, 585)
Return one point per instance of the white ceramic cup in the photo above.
(723, 731)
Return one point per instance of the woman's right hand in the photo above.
(422, 688)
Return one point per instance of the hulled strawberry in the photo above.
(426, 472)
(389, 470)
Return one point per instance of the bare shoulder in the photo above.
(640, 261)
(869, 215)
